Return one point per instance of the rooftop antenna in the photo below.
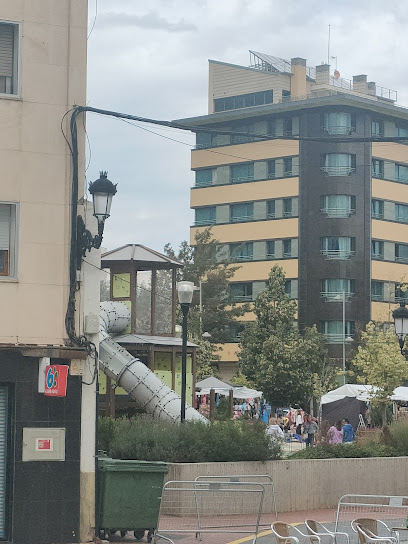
(328, 48)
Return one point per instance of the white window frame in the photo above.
(13, 247)
(16, 60)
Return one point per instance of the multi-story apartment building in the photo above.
(44, 473)
(299, 167)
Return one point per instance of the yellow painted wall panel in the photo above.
(121, 285)
(387, 230)
(390, 150)
(228, 351)
(255, 230)
(259, 270)
(386, 271)
(244, 192)
(389, 190)
(382, 311)
(254, 151)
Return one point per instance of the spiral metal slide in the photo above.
(150, 393)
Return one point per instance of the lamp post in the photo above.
(400, 316)
(102, 191)
(344, 340)
(185, 290)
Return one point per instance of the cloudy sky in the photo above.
(150, 59)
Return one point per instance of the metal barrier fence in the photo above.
(210, 507)
(264, 479)
(392, 510)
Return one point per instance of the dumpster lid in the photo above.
(131, 465)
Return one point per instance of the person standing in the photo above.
(299, 422)
(335, 434)
(310, 429)
(348, 432)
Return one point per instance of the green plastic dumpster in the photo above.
(129, 495)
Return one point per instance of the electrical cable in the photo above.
(94, 21)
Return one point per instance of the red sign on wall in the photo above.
(56, 380)
(44, 444)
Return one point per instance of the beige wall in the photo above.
(310, 484)
(228, 351)
(259, 270)
(229, 80)
(387, 230)
(390, 150)
(387, 271)
(382, 311)
(238, 192)
(255, 230)
(36, 168)
(231, 154)
(389, 190)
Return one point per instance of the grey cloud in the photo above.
(151, 20)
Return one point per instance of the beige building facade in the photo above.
(299, 167)
(42, 76)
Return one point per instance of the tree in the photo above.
(381, 363)
(274, 355)
(202, 265)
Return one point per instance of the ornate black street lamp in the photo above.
(400, 316)
(102, 191)
(185, 290)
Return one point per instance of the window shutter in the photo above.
(3, 458)
(6, 49)
(5, 213)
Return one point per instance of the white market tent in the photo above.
(361, 392)
(212, 383)
(223, 388)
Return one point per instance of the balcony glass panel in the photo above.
(337, 205)
(337, 123)
(205, 216)
(401, 213)
(242, 212)
(204, 177)
(333, 331)
(241, 251)
(337, 247)
(240, 173)
(332, 289)
(338, 164)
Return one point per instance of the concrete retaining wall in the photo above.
(311, 484)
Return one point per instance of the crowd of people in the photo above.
(304, 427)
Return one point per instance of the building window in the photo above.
(401, 253)
(271, 169)
(204, 139)
(338, 164)
(270, 209)
(333, 331)
(401, 173)
(240, 173)
(401, 293)
(241, 292)
(401, 132)
(377, 128)
(377, 168)
(287, 166)
(401, 213)
(377, 249)
(204, 177)
(243, 101)
(8, 249)
(288, 287)
(241, 251)
(287, 207)
(242, 138)
(377, 209)
(287, 126)
(287, 249)
(332, 289)
(9, 54)
(285, 95)
(205, 216)
(338, 122)
(242, 212)
(338, 247)
(377, 290)
(270, 249)
(338, 205)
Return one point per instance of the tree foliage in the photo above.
(202, 265)
(274, 355)
(381, 363)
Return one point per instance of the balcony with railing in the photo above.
(333, 338)
(241, 258)
(336, 296)
(339, 254)
(242, 179)
(241, 298)
(338, 212)
(241, 218)
(204, 222)
(338, 170)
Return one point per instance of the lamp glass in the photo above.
(102, 203)
(185, 290)
(401, 326)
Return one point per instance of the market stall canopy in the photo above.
(246, 393)
(356, 391)
(400, 394)
(213, 383)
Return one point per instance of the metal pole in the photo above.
(184, 308)
(344, 337)
(201, 307)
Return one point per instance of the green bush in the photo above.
(144, 438)
(399, 436)
(327, 451)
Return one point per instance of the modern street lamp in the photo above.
(185, 290)
(102, 191)
(400, 316)
(344, 340)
